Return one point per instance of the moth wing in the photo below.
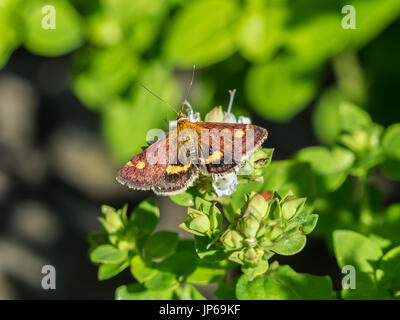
(148, 166)
(225, 146)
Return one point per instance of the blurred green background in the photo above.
(71, 110)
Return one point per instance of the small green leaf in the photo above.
(267, 86)
(389, 270)
(141, 270)
(290, 243)
(108, 254)
(162, 280)
(330, 166)
(195, 40)
(391, 141)
(203, 205)
(180, 264)
(160, 244)
(184, 199)
(391, 147)
(366, 289)
(284, 284)
(333, 114)
(205, 275)
(11, 29)
(136, 291)
(205, 251)
(145, 217)
(261, 31)
(107, 270)
(305, 220)
(65, 37)
(325, 161)
(352, 248)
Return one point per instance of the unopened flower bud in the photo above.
(258, 206)
(252, 255)
(232, 239)
(291, 207)
(200, 224)
(248, 226)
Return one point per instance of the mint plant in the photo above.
(235, 237)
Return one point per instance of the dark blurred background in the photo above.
(71, 111)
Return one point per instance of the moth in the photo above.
(191, 149)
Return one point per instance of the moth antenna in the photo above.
(231, 98)
(159, 98)
(189, 88)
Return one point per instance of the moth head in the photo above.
(181, 116)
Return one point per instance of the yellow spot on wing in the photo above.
(217, 155)
(239, 133)
(140, 165)
(177, 169)
(129, 164)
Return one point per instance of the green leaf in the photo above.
(162, 280)
(315, 22)
(252, 272)
(107, 271)
(284, 284)
(141, 270)
(267, 87)
(145, 217)
(11, 29)
(333, 114)
(391, 147)
(352, 248)
(102, 76)
(160, 244)
(366, 289)
(260, 32)
(180, 264)
(290, 244)
(330, 165)
(195, 40)
(66, 36)
(391, 224)
(137, 291)
(307, 222)
(389, 270)
(108, 254)
(171, 270)
(184, 199)
(205, 275)
(205, 251)
(324, 161)
(189, 292)
(203, 205)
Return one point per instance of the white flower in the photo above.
(172, 124)
(225, 185)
